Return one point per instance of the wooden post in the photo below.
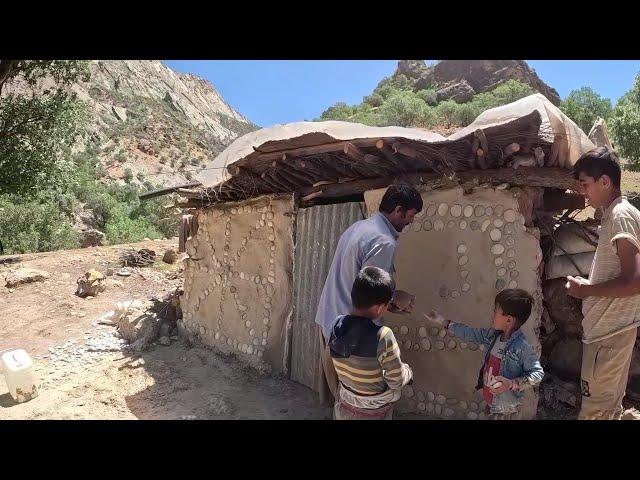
(524, 176)
(353, 152)
(389, 155)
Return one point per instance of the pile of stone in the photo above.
(136, 328)
(141, 323)
(141, 258)
(73, 353)
(170, 256)
(106, 342)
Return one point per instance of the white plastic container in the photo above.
(22, 381)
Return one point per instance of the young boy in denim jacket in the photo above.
(510, 364)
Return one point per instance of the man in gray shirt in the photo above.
(370, 242)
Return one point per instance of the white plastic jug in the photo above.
(22, 381)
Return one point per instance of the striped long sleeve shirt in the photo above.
(367, 357)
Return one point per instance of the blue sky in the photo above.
(282, 91)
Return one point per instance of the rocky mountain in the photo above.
(161, 125)
(461, 79)
(150, 123)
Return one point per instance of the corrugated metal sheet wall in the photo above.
(318, 230)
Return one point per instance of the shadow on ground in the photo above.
(195, 382)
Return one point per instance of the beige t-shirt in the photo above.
(605, 317)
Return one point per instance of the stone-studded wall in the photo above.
(460, 251)
(238, 284)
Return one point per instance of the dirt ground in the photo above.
(179, 381)
(630, 182)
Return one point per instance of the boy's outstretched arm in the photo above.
(460, 330)
(396, 373)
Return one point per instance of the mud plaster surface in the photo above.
(238, 280)
(457, 255)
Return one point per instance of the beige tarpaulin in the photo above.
(556, 126)
(599, 134)
(301, 134)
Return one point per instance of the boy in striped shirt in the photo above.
(367, 356)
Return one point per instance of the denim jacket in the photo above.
(520, 363)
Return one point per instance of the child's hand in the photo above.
(500, 385)
(435, 317)
(402, 302)
(575, 286)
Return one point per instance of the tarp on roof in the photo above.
(301, 134)
(571, 142)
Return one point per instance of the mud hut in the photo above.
(268, 215)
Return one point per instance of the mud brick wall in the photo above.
(238, 283)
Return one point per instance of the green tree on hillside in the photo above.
(340, 111)
(37, 124)
(584, 106)
(43, 184)
(625, 123)
(393, 102)
(405, 109)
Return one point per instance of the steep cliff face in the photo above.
(461, 79)
(154, 124)
(147, 122)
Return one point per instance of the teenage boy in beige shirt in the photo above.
(611, 295)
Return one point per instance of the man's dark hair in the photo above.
(401, 195)
(515, 302)
(597, 162)
(372, 286)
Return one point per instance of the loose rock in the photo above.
(170, 256)
(90, 284)
(25, 275)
